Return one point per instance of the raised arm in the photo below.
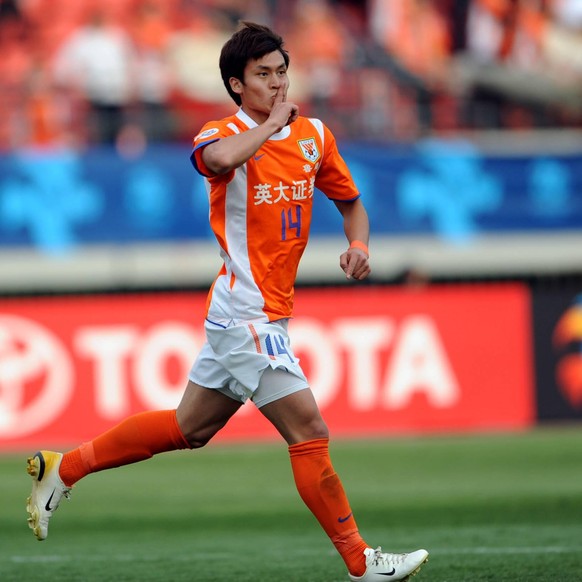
(233, 151)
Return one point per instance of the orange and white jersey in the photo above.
(261, 212)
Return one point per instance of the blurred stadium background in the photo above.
(461, 121)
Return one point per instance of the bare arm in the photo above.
(233, 151)
(355, 261)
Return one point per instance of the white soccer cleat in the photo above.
(383, 567)
(47, 490)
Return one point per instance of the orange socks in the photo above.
(321, 490)
(143, 435)
(137, 438)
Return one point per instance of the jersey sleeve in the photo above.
(334, 178)
(211, 132)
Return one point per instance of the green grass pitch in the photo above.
(488, 508)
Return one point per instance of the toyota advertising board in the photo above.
(381, 361)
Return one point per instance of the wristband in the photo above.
(358, 244)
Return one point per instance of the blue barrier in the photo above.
(55, 200)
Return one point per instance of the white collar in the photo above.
(250, 123)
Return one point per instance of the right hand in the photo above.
(283, 112)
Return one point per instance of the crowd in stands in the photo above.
(88, 72)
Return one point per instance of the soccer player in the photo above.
(261, 166)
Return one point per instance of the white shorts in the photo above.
(252, 360)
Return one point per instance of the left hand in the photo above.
(355, 264)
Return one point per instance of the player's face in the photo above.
(262, 79)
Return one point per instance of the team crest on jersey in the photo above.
(309, 149)
(207, 133)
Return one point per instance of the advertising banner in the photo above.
(448, 189)
(381, 361)
(558, 352)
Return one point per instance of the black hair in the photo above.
(251, 42)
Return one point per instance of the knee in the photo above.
(316, 429)
(197, 444)
(197, 439)
(319, 430)
(196, 436)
